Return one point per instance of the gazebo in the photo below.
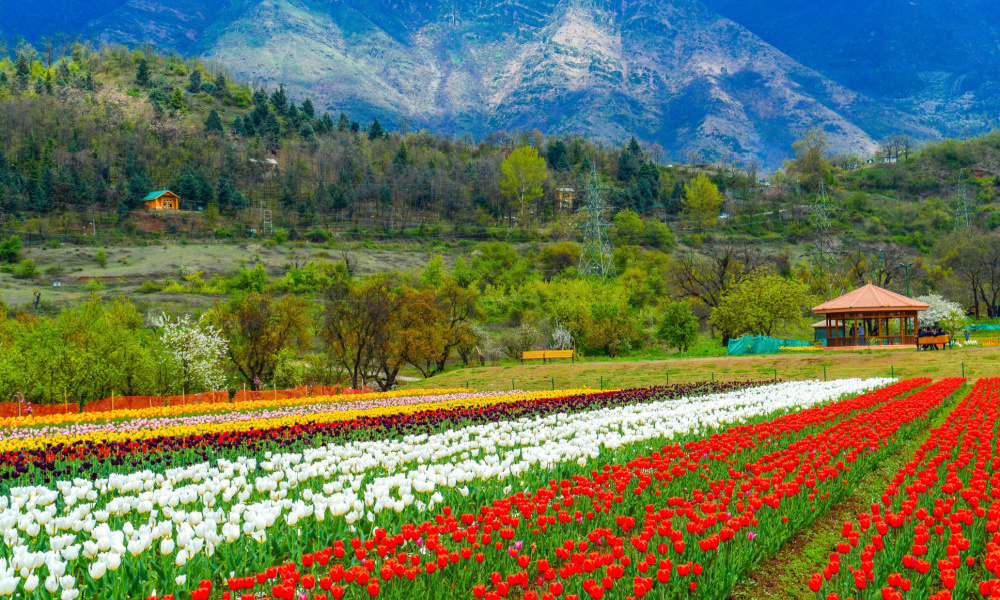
(871, 316)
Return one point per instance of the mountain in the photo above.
(938, 60)
(673, 72)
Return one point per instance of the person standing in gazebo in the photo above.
(861, 334)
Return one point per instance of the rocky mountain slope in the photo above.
(673, 72)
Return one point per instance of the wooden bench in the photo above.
(934, 340)
(547, 355)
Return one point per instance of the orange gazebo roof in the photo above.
(870, 298)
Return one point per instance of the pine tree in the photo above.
(142, 76)
(279, 100)
(557, 156)
(230, 199)
(4, 82)
(375, 130)
(194, 81)
(343, 124)
(402, 155)
(213, 123)
(221, 87)
(177, 99)
(308, 109)
(293, 114)
(39, 86)
(307, 132)
(22, 71)
(355, 127)
(328, 122)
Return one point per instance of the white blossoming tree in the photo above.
(944, 314)
(198, 349)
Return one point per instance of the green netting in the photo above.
(761, 344)
(983, 327)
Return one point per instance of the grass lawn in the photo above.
(616, 374)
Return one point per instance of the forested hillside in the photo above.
(86, 135)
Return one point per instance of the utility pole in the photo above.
(925, 284)
(906, 271)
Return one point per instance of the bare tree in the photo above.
(705, 277)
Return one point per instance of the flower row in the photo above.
(669, 519)
(195, 521)
(934, 531)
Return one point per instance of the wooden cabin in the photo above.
(162, 200)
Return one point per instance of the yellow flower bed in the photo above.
(202, 409)
(215, 428)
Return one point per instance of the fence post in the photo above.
(553, 384)
(824, 372)
(466, 384)
(668, 379)
(602, 383)
(512, 385)
(892, 371)
(775, 375)
(963, 369)
(713, 376)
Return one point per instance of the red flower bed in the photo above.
(688, 518)
(934, 533)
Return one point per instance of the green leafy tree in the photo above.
(678, 326)
(101, 258)
(524, 173)
(258, 328)
(628, 228)
(142, 74)
(761, 304)
(10, 249)
(702, 201)
(810, 164)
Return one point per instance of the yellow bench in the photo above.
(934, 340)
(546, 355)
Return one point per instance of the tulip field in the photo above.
(670, 492)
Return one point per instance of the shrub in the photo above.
(25, 269)
(149, 287)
